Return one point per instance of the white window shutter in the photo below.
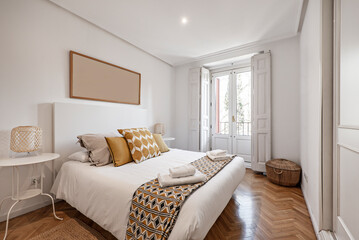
(194, 109)
(261, 111)
(205, 110)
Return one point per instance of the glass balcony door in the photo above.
(222, 111)
(231, 111)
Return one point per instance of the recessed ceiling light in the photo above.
(184, 20)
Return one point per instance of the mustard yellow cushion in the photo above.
(141, 143)
(161, 144)
(119, 150)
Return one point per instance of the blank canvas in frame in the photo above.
(94, 79)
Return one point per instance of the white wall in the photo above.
(310, 78)
(285, 96)
(36, 37)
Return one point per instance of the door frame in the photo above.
(327, 117)
(228, 136)
(336, 111)
(235, 136)
(232, 136)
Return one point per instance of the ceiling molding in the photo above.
(238, 48)
(114, 35)
(295, 28)
(300, 21)
(302, 15)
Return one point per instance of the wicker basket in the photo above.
(283, 172)
(25, 139)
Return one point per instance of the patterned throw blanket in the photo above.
(154, 210)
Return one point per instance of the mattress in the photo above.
(104, 194)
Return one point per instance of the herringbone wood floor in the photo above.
(260, 209)
(257, 210)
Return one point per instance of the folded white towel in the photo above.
(166, 180)
(218, 158)
(218, 152)
(182, 171)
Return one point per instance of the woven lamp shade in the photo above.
(26, 139)
(160, 128)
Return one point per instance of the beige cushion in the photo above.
(161, 144)
(109, 134)
(96, 145)
(141, 143)
(80, 139)
(119, 150)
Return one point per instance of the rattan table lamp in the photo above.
(160, 128)
(26, 139)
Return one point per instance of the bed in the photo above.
(104, 194)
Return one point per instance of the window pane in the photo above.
(222, 104)
(243, 81)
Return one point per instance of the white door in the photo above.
(194, 109)
(261, 111)
(346, 151)
(242, 126)
(231, 111)
(205, 111)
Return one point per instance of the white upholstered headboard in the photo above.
(71, 120)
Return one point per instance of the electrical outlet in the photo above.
(305, 177)
(35, 180)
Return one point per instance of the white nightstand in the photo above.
(168, 140)
(18, 196)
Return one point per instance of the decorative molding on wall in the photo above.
(237, 48)
(352, 127)
(350, 148)
(346, 229)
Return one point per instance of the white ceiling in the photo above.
(213, 25)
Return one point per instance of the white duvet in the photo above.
(104, 194)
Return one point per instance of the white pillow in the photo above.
(81, 156)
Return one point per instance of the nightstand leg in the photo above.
(53, 206)
(8, 216)
(2, 201)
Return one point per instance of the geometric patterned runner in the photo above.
(154, 210)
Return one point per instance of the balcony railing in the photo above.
(242, 128)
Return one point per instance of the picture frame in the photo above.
(94, 79)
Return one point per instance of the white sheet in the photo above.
(104, 194)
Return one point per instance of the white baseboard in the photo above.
(23, 210)
(247, 165)
(314, 222)
(326, 235)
